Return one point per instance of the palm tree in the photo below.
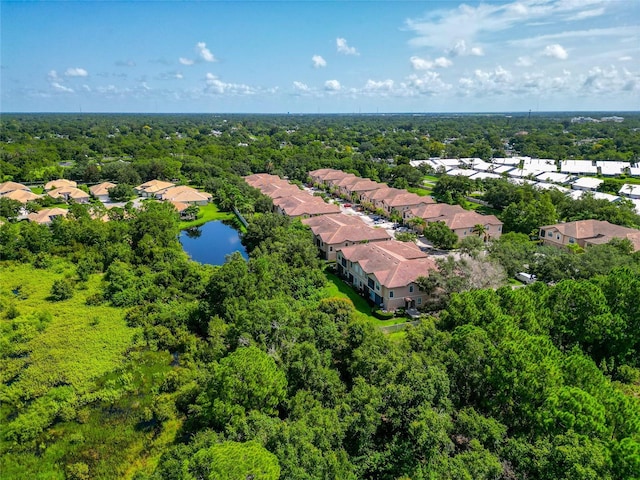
(481, 230)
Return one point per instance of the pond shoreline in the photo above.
(212, 241)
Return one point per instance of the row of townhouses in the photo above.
(383, 270)
(407, 205)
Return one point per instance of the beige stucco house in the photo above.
(335, 231)
(587, 232)
(386, 272)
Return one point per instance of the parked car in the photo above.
(526, 278)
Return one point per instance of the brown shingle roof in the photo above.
(347, 179)
(154, 186)
(469, 219)
(60, 183)
(185, 194)
(333, 175)
(7, 187)
(101, 188)
(303, 204)
(68, 192)
(596, 231)
(381, 193)
(394, 264)
(339, 228)
(435, 210)
(258, 179)
(277, 190)
(366, 185)
(23, 196)
(405, 199)
(46, 215)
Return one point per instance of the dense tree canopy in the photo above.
(122, 358)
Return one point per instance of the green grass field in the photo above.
(207, 213)
(76, 344)
(54, 357)
(423, 192)
(337, 288)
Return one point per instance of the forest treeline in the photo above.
(246, 368)
(91, 148)
(121, 358)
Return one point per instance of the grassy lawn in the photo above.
(423, 192)
(207, 213)
(338, 288)
(482, 209)
(430, 179)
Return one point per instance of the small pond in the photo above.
(211, 242)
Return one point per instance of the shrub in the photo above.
(382, 315)
(61, 290)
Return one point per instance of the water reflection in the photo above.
(193, 232)
(211, 242)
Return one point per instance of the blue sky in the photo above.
(320, 57)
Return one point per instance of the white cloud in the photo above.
(204, 52)
(460, 48)
(524, 61)
(86, 88)
(301, 87)
(52, 75)
(442, 62)
(420, 63)
(487, 82)
(423, 64)
(76, 72)
(540, 40)
(217, 87)
(125, 63)
(332, 85)
(626, 58)
(444, 28)
(178, 76)
(609, 81)
(596, 12)
(318, 61)
(185, 61)
(429, 83)
(61, 88)
(556, 51)
(382, 87)
(344, 48)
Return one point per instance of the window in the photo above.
(331, 249)
(419, 300)
(550, 234)
(499, 228)
(572, 240)
(390, 293)
(370, 282)
(377, 286)
(558, 237)
(410, 288)
(343, 262)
